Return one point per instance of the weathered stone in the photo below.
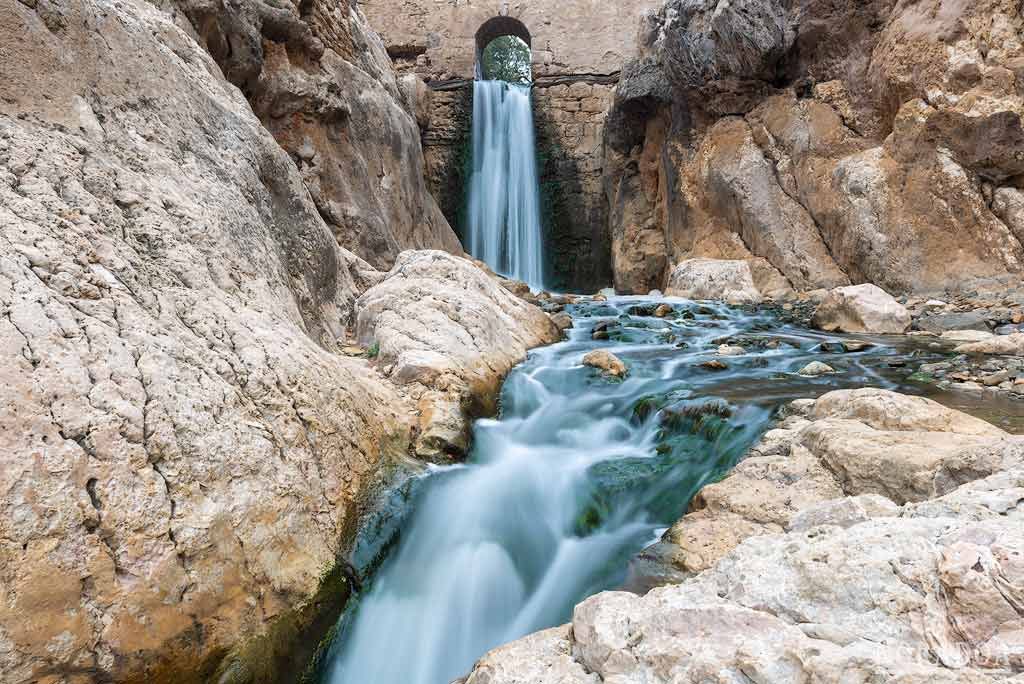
(859, 309)
(438, 321)
(606, 362)
(873, 154)
(729, 281)
(815, 368)
(1010, 345)
(185, 442)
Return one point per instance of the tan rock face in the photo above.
(1012, 345)
(357, 146)
(606, 362)
(185, 447)
(886, 152)
(858, 587)
(861, 309)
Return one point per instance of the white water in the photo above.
(504, 227)
(570, 482)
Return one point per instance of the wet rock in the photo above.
(664, 311)
(601, 331)
(562, 321)
(731, 350)
(861, 308)
(815, 368)
(714, 365)
(606, 362)
(728, 281)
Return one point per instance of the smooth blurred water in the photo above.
(579, 474)
(504, 227)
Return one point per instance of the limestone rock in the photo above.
(865, 441)
(966, 335)
(606, 362)
(438, 321)
(882, 153)
(729, 281)
(815, 368)
(1010, 345)
(321, 82)
(860, 309)
(562, 321)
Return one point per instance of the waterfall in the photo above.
(504, 200)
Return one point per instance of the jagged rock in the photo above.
(866, 441)
(860, 309)
(321, 82)
(729, 281)
(562, 321)
(872, 154)
(606, 362)
(1010, 345)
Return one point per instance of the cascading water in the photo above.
(579, 474)
(504, 198)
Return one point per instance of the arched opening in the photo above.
(503, 51)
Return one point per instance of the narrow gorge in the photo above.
(451, 342)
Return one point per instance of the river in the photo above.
(581, 472)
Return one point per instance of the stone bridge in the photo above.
(578, 48)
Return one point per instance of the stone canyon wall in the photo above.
(824, 142)
(578, 48)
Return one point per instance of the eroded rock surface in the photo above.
(809, 575)
(185, 447)
(842, 142)
(438, 321)
(729, 281)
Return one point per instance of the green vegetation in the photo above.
(506, 58)
(374, 351)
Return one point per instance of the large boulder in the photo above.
(861, 309)
(1008, 345)
(437, 321)
(726, 280)
(853, 442)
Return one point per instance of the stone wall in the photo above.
(437, 38)
(569, 124)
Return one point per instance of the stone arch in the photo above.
(496, 27)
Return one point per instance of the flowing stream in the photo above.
(578, 474)
(504, 220)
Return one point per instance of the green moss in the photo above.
(293, 647)
(374, 351)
